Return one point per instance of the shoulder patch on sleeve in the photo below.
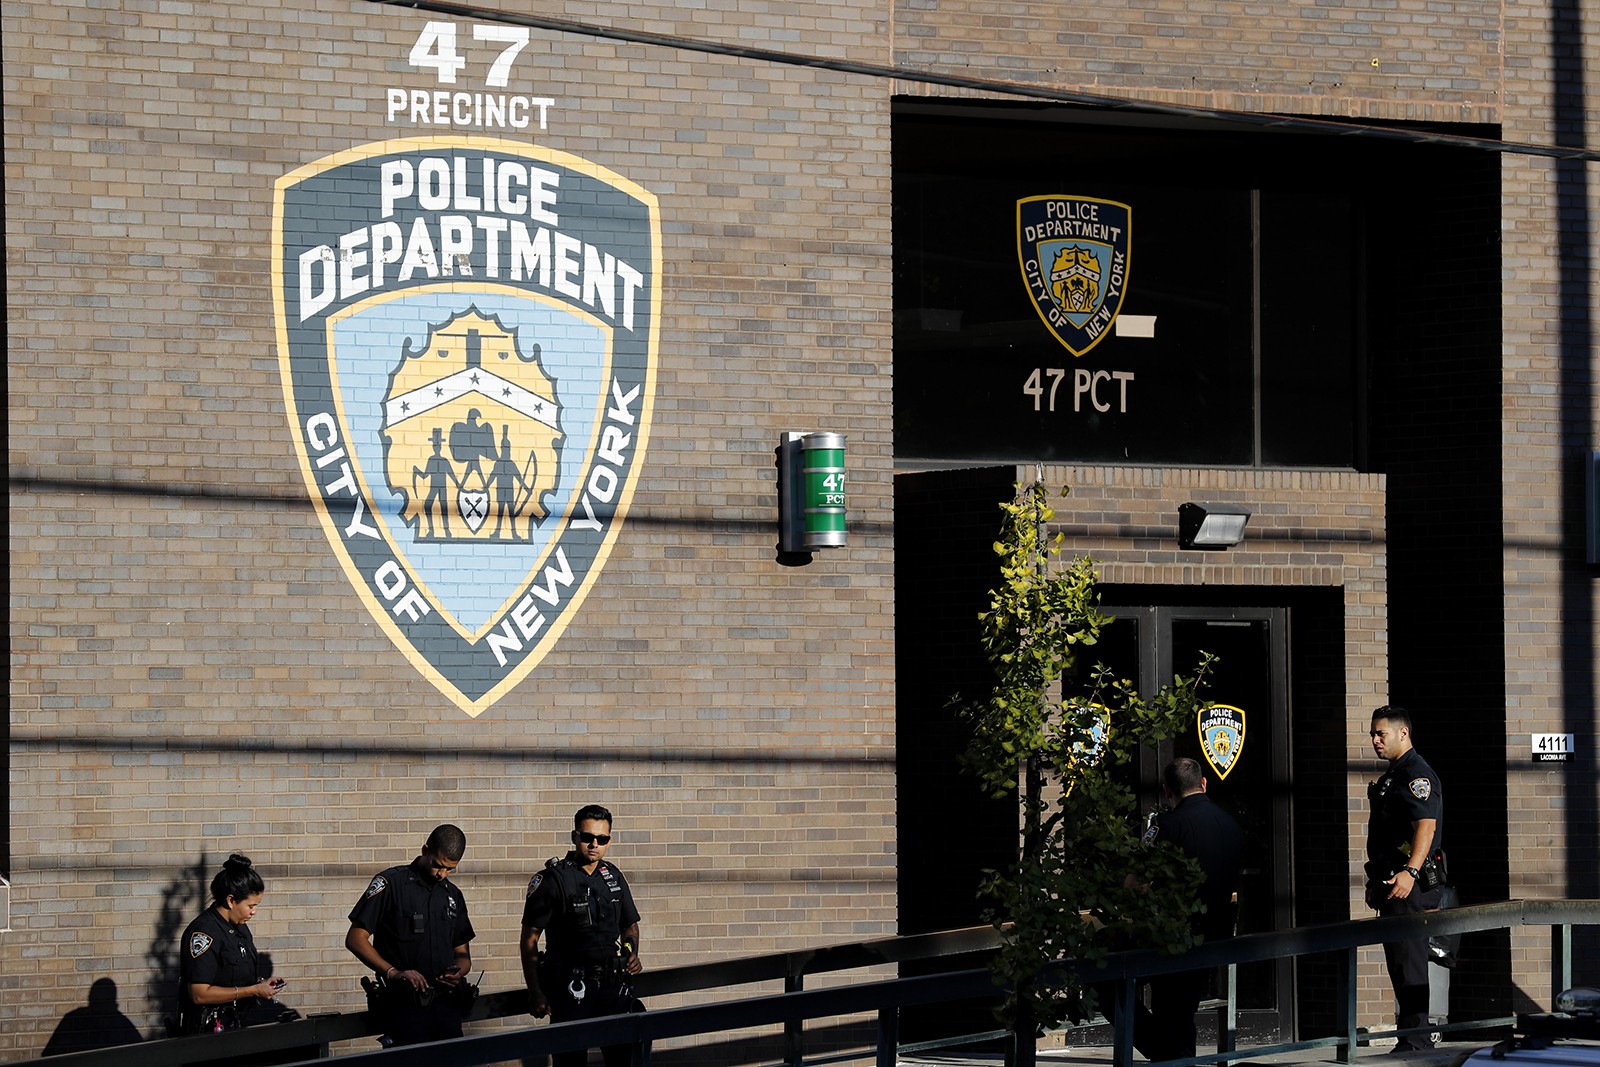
(1421, 788)
(379, 884)
(533, 883)
(198, 943)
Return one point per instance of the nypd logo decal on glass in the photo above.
(1221, 730)
(467, 334)
(1074, 256)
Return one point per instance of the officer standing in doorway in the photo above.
(1405, 861)
(1211, 837)
(583, 902)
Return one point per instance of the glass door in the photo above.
(1250, 778)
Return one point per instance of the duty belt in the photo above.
(577, 980)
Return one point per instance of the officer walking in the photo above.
(1405, 861)
(583, 902)
(411, 927)
(1213, 839)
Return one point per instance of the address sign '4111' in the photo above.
(467, 334)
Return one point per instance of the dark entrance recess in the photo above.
(1281, 649)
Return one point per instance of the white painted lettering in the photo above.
(588, 522)
(312, 262)
(357, 526)
(552, 578)
(503, 641)
(567, 266)
(612, 442)
(603, 483)
(620, 401)
(353, 278)
(528, 617)
(394, 183)
(322, 431)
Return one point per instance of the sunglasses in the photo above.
(587, 838)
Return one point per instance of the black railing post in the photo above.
(888, 1036)
(794, 1041)
(1345, 999)
(1122, 1025)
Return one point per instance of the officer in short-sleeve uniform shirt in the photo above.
(416, 920)
(1405, 859)
(583, 904)
(216, 952)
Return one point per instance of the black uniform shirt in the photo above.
(216, 952)
(1407, 792)
(1214, 840)
(415, 922)
(584, 914)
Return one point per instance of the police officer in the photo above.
(583, 902)
(411, 927)
(1405, 860)
(1213, 839)
(218, 978)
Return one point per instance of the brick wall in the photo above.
(1550, 418)
(1408, 60)
(192, 672)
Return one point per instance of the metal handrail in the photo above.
(320, 1031)
(885, 998)
(1344, 938)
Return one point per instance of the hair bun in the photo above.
(239, 861)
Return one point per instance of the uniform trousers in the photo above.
(1408, 960)
(596, 1002)
(408, 1022)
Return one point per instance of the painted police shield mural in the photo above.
(1074, 256)
(467, 334)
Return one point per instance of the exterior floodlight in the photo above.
(1211, 526)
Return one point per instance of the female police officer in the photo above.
(217, 975)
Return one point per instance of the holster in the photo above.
(463, 996)
(383, 995)
(1434, 871)
(1442, 948)
(212, 1020)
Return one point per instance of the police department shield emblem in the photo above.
(467, 338)
(1074, 256)
(198, 943)
(1221, 729)
(1091, 725)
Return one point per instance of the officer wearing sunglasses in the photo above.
(582, 901)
